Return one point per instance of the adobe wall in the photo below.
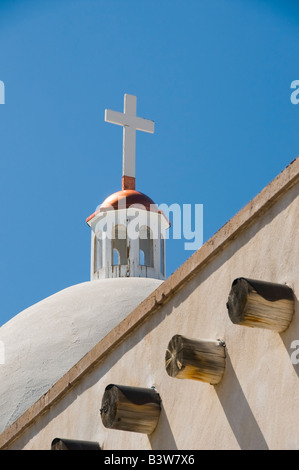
(256, 405)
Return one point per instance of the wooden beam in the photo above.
(132, 409)
(71, 444)
(202, 360)
(261, 304)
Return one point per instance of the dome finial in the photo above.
(130, 123)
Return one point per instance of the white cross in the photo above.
(130, 123)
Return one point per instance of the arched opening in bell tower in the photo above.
(119, 245)
(145, 246)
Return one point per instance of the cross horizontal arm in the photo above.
(122, 119)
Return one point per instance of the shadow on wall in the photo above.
(163, 429)
(238, 412)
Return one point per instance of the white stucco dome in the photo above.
(44, 341)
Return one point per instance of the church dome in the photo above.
(130, 197)
(44, 341)
(124, 199)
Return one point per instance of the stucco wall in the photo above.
(256, 406)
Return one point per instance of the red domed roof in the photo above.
(124, 199)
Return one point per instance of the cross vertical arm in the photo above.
(130, 123)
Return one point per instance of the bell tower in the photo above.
(128, 231)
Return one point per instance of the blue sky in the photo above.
(215, 77)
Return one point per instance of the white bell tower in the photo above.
(128, 231)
